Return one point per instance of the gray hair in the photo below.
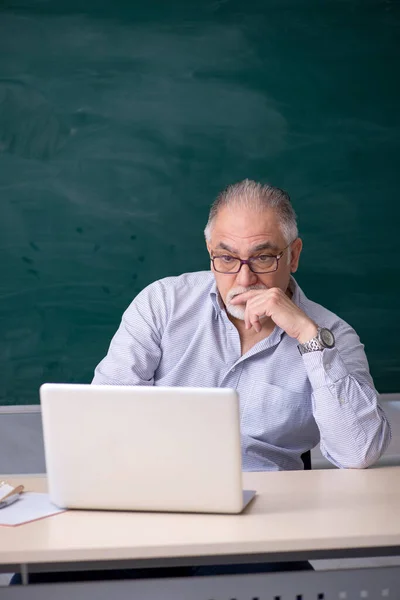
(256, 196)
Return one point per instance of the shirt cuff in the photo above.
(324, 367)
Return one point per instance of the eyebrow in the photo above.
(263, 246)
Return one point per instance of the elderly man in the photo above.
(300, 371)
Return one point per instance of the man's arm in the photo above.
(354, 429)
(134, 352)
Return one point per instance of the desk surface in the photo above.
(294, 512)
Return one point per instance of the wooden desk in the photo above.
(295, 515)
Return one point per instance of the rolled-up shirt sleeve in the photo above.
(354, 431)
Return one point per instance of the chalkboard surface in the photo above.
(121, 121)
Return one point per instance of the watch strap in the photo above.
(313, 345)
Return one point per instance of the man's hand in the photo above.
(274, 303)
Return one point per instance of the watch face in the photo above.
(327, 338)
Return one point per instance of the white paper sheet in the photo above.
(5, 489)
(29, 507)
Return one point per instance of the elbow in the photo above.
(360, 461)
(363, 463)
(372, 451)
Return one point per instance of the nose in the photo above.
(246, 277)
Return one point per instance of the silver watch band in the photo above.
(313, 345)
(323, 339)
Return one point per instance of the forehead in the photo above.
(244, 227)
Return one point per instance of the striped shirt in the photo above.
(176, 333)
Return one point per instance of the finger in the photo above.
(248, 316)
(254, 319)
(252, 316)
(257, 325)
(244, 297)
(246, 319)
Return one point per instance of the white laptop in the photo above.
(143, 448)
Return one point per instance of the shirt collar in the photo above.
(216, 299)
(296, 291)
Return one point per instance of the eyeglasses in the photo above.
(264, 263)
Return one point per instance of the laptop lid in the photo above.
(142, 448)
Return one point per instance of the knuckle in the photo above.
(274, 297)
(275, 291)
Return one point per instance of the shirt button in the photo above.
(342, 401)
(328, 365)
(233, 369)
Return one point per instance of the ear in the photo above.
(296, 249)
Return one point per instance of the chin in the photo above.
(235, 311)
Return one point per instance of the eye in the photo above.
(227, 259)
(264, 257)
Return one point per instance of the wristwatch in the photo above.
(323, 339)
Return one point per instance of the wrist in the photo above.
(307, 333)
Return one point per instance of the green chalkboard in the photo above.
(121, 121)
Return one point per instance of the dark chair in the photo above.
(306, 458)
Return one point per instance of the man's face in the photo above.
(245, 233)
